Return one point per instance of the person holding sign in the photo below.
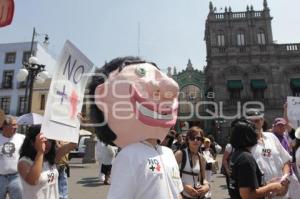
(135, 105)
(37, 167)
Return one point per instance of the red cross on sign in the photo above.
(74, 101)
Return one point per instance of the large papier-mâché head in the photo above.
(133, 101)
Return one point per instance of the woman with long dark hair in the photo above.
(192, 165)
(37, 167)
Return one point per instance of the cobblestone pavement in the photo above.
(84, 184)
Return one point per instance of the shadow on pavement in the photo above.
(220, 176)
(223, 186)
(90, 182)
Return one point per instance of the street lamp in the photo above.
(220, 135)
(32, 71)
(219, 121)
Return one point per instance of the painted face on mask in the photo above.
(139, 102)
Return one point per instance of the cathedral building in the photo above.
(245, 67)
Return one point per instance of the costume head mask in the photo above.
(133, 101)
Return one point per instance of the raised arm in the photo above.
(63, 150)
(178, 156)
(225, 162)
(289, 126)
(31, 173)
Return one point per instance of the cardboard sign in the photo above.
(293, 110)
(66, 94)
(7, 8)
(2, 117)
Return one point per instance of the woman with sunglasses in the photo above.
(36, 166)
(192, 166)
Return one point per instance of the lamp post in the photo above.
(219, 124)
(32, 71)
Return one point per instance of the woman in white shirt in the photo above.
(37, 167)
(192, 164)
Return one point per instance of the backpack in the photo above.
(183, 163)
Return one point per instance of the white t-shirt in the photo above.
(188, 179)
(270, 156)
(108, 154)
(208, 156)
(228, 148)
(98, 150)
(140, 171)
(9, 153)
(47, 187)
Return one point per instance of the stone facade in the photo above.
(192, 91)
(244, 64)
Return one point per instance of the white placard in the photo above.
(65, 98)
(293, 110)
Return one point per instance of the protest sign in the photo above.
(65, 98)
(293, 110)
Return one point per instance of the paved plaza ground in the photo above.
(84, 184)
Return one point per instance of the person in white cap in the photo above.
(273, 160)
(208, 155)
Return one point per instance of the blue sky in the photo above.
(171, 31)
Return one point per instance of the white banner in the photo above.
(293, 110)
(65, 98)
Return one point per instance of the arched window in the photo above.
(258, 87)
(261, 38)
(234, 87)
(188, 95)
(241, 38)
(220, 39)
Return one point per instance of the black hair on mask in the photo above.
(243, 133)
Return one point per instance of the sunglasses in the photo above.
(196, 138)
